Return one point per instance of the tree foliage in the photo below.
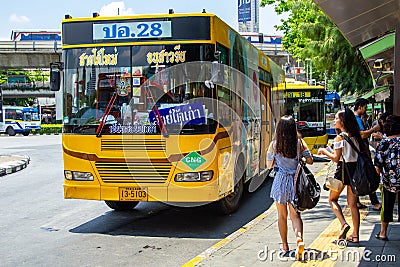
(309, 33)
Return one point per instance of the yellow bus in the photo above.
(307, 104)
(167, 108)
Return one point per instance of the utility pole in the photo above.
(308, 69)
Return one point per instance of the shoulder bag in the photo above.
(307, 190)
(331, 182)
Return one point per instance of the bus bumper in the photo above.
(170, 193)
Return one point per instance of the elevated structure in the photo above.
(29, 54)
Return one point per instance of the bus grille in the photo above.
(138, 144)
(128, 172)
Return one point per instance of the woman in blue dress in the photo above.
(283, 154)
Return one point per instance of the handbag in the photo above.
(365, 179)
(306, 189)
(331, 182)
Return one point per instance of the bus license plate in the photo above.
(133, 193)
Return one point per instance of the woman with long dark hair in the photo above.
(284, 153)
(346, 127)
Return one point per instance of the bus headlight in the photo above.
(194, 176)
(79, 176)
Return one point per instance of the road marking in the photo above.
(205, 254)
(325, 241)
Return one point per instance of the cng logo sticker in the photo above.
(193, 160)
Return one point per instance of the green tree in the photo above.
(309, 33)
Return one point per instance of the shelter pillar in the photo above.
(396, 75)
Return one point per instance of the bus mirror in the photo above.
(55, 76)
(217, 72)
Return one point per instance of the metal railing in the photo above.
(26, 46)
(29, 86)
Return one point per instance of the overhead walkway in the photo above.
(29, 54)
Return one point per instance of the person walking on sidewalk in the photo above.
(387, 162)
(360, 109)
(346, 124)
(283, 154)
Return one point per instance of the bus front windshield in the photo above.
(308, 113)
(129, 89)
(30, 116)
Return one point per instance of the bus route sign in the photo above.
(193, 160)
(297, 94)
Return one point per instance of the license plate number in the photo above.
(133, 193)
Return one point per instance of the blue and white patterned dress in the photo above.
(282, 190)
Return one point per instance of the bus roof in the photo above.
(291, 84)
(23, 109)
(139, 16)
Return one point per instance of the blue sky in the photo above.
(46, 14)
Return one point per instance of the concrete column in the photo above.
(396, 75)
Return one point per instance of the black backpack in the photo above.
(365, 179)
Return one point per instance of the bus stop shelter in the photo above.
(371, 26)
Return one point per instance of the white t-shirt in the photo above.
(349, 154)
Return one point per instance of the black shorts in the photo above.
(349, 170)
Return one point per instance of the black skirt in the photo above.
(349, 170)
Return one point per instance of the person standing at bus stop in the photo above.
(283, 153)
(387, 162)
(345, 157)
(360, 109)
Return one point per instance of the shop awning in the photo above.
(376, 91)
(378, 46)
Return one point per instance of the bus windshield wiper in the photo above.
(156, 113)
(105, 115)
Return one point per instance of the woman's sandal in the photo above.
(343, 231)
(299, 249)
(283, 252)
(383, 238)
(352, 239)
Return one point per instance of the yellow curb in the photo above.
(205, 254)
(326, 240)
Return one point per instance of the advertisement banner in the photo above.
(244, 10)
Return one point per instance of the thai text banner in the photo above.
(192, 113)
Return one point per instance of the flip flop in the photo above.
(284, 252)
(352, 239)
(377, 236)
(343, 231)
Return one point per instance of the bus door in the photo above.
(265, 130)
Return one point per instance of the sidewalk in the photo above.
(12, 163)
(258, 242)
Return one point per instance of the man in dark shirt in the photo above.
(360, 108)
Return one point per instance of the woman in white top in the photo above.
(345, 124)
